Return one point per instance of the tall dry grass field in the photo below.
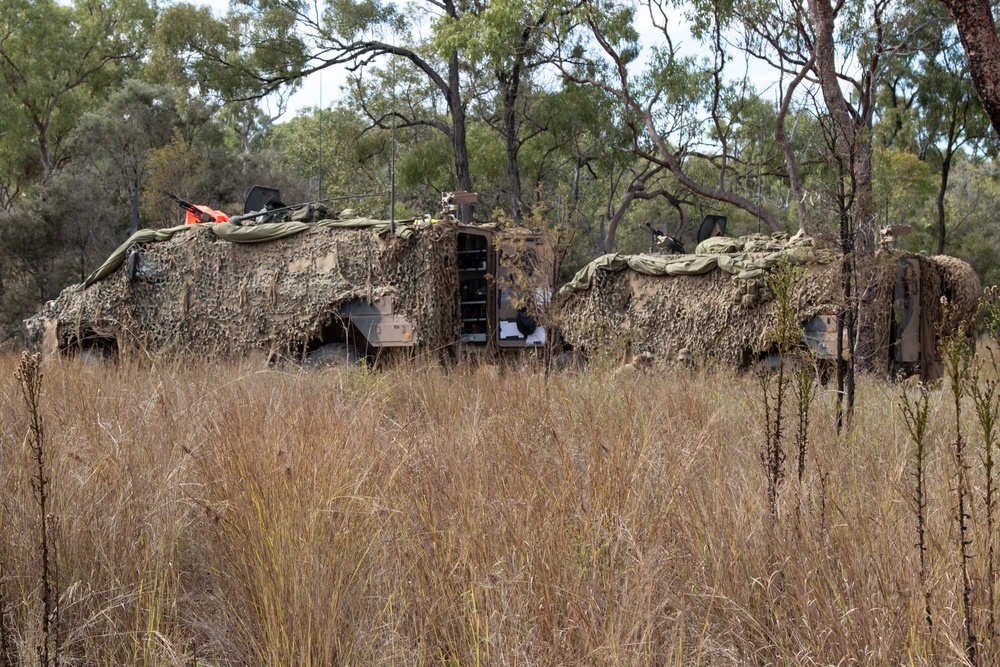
(224, 515)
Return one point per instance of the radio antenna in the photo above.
(319, 185)
(392, 157)
(760, 160)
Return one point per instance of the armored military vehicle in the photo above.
(715, 303)
(297, 289)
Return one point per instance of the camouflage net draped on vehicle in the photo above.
(247, 234)
(228, 290)
(718, 305)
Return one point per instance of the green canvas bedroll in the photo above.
(244, 234)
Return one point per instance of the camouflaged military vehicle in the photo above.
(341, 286)
(715, 304)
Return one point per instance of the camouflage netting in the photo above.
(959, 284)
(195, 290)
(717, 305)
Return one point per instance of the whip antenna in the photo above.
(760, 160)
(319, 185)
(392, 155)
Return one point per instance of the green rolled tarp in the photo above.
(245, 234)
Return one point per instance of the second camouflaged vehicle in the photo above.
(715, 304)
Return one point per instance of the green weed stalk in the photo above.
(957, 354)
(774, 383)
(916, 416)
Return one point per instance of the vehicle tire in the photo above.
(333, 354)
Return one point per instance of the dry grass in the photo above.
(219, 515)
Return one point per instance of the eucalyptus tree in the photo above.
(56, 59)
(584, 162)
(839, 53)
(973, 209)
(462, 49)
(978, 31)
(15, 163)
(212, 59)
(114, 141)
(398, 103)
(263, 45)
(338, 150)
(680, 111)
(950, 117)
(504, 46)
(931, 109)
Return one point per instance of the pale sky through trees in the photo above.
(323, 88)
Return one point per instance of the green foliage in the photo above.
(906, 183)
(34, 265)
(427, 166)
(972, 202)
(329, 153)
(55, 60)
(348, 18)
(929, 109)
(192, 170)
(486, 155)
(783, 280)
(492, 36)
(113, 142)
(230, 58)
(974, 210)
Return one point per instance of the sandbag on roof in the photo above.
(799, 252)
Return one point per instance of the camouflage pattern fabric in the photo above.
(235, 234)
(718, 307)
(218, 289)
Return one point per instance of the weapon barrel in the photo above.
(649, 228)
(238, 219)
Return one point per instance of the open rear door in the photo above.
(523, 290)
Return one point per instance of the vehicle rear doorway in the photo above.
(476, 293)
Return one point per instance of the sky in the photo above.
(323, 88)
(318, 90)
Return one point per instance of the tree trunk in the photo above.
(853, 137)
(945, 171)
(614, 219)
(846, 324)
(41, 133)
(863, 209)
(978, 32)
(508, 96)
(457, 110)
(134, 220)
(665, 157)
(791, 163)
